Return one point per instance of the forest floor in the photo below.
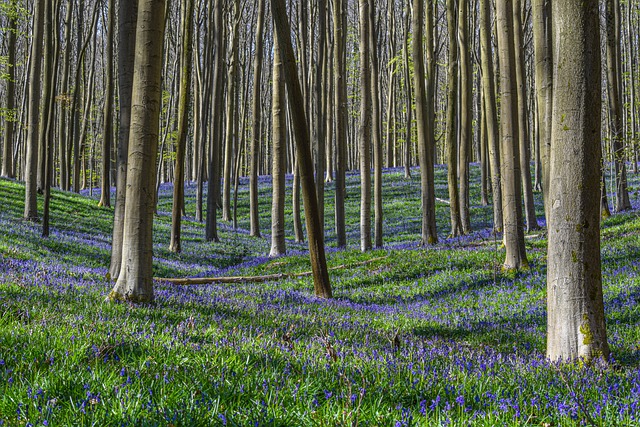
(414, 336)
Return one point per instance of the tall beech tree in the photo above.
(516, 257)
(364, 134)
(135, 281)
(321, 283)
(8, 167)
(107, 122)
(340, 105)
(575, 320)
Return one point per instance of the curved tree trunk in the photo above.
(575, 322)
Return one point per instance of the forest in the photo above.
(327, 212)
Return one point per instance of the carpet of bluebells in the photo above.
(414, 337)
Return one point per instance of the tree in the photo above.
(491, 116)
(376, 127)
(107, 126)
(8, 168)
(516, 257)
(424, 117)
(364, 136)
(340, 88)
(279, 140)
(575, 322)
(466, 113)
(135, 281)
(183, 122)
(31, 157)
(255, 126)
(127, 18)
(321, 283)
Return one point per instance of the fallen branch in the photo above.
(256, 279)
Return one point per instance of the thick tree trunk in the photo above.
(135, 282)
(321, 282)
(127, 16)
(255, 124)
(575, 322)
(183, 123)
(516, 257)
(279, 140)
(489, 100)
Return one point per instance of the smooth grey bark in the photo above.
(575, 319)
(279, 141)
(466, 113)
(107, 118)
(183, 123)
(135, 281)
(321, 101)
(409, 102)
(340, 104)
(515, 257)
(31, 156)
(321, 283)
(8, 167)
(255, 124)
(424, 115)
(364, 137)
(376, 129)
(64, 151)
(127, 17)
(490, 107)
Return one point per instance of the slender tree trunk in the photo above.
(516, 257)
(8, 166)
(321, 282)
(452, 122)
(575, 322)
(424, 114)
(186, 62)
(135, 282)
(409, 102)
(321, 98)
(127, 16)
(35, 71)
(340, 87)
(255, 126)
(391, 95)
(615, 103)
(376, 128)
(523, 119)
(365, 128)
(466, 113)
(279, 140)
(107, 123)
(489, 100)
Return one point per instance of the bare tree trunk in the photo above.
(321, 282)
(391, 95)
(489, 100)
(575, 322)
(340, 87)
(186, 62)
(466, 113)
(516, 257)
(135, 282)
(107, 122)
(523, 119)
(376, 128)
(255, 126)
(365, 129)
(279, 140)
(409, 105)
(8, 167)
(35, 70)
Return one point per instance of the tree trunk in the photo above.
(8, 167)
(523, 119)
(376, 128)
(107, 122)
(279, 140)
(255, 126)
(186, 62)
(135, 282)
(365, 128)
(516, 257)
(615, 103)
(489, 100)
(321, 282)
(424, 116)
(35, 70)
(466, 113)
(575, 323)
(409, 102)
(452, 123)
(127, 15)
(340, 88)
